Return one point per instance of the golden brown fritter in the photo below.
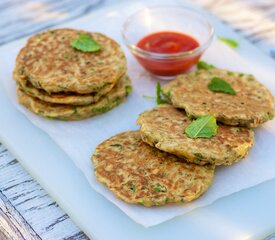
(50, 63)
(252, 105)
(69, 112)
(163, 127)
(62, 98)
(140, 174)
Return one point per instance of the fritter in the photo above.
(252, 105)
(140, 174)
(50, 63)
(163, 127)
(62, 98)
(70, 112)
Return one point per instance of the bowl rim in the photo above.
(162, 56)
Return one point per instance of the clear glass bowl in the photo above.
(162, 19)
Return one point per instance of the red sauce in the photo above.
(167, 42)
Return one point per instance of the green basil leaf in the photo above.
(230, 42)
(203, 127)
(204, 65)
(219, 85)
(85, 43)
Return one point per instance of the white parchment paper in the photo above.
(79, 139)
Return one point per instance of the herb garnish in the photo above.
(203, 127)
(204, 65)
(219, 85)
(230, 42)
(85, 43)
(160, 98)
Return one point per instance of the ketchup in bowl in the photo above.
(162, 47)
(178, 36)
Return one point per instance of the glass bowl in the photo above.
(167, 19)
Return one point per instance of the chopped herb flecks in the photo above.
(160, 188)
(128, 89)
(22, 70)
(241, 75)
(132, 186)
(116, 145)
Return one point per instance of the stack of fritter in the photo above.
(69, 74)
(162, 163)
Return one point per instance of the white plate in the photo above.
(235, 215)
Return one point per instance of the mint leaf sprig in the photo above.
(219, 85)
(203, 127)
(85, 43)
